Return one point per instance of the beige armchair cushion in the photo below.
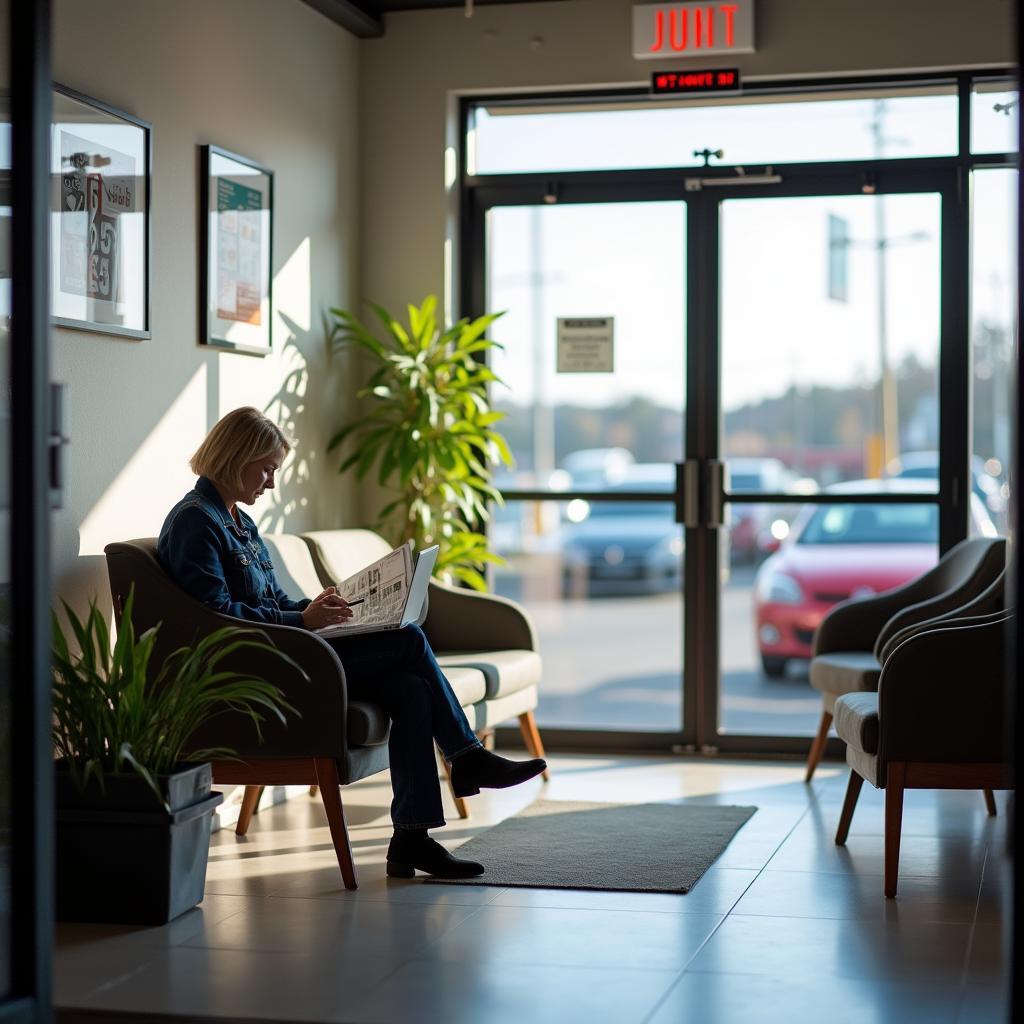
(505, 672)
(845, 672)
(469, 684)
(342, 553)
(486, 714)
(293, 565)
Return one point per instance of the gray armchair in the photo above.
(936, 722)
(852, 639)
(332, 742)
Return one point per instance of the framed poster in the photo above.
(100, 160)
(237, 220)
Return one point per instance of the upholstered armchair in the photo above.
(850, 642)
(330, 743)
(938, 721)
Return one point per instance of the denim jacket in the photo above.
(222, 564)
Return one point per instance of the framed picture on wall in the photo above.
(237, 233)
(99, 216)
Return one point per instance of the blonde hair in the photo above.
(242, 436)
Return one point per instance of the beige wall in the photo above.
(408, 75)
(276, 81)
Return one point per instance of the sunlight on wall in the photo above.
(293, 292)
(157, 474)
(278, 385)
(154, 478)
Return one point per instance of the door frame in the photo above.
(705, 436)
(947, 175)
(32, 901)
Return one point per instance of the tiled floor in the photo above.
(785, 926)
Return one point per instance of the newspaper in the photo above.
(383, 588)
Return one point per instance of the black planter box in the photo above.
(126, 860)
(128, 791)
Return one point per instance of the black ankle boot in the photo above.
(411, 850)
(480, 769)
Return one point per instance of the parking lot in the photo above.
(615, 662)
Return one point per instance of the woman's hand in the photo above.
(326, 609)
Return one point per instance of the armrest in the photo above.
(942, 695)
(855, 625)
(320, 698)
(954, 619)
(318, 692)
(465, 620)
(941, 605)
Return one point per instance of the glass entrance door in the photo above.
(760, 442)
(593, 385)
(830, 327)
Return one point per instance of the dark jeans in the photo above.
(396, 670)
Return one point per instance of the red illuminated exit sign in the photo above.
(675, 83)
(692, 29)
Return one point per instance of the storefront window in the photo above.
(863, 125)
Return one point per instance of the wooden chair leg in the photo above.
(330, 792)
(894, 785)
(250, 799)
(990, 802)
(818, 746)
(531, 737)
(852, 792)
(460, 801)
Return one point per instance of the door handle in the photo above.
(714, 481)
(688, 493)
(56, 441)
(700, 492)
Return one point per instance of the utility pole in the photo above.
(543, 417)
(889, 411)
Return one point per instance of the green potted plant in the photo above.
(134, 802)
(430, 432)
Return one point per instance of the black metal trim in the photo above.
(32, 904)
(643, 184)
(92, 326)
(1015, 706)
(604, 741)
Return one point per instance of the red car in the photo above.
(835, 552)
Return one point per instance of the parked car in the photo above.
(747, 522)
(592, 469)
(625, 546)
(925, 466)
(838, 551)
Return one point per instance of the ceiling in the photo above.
(365, 18)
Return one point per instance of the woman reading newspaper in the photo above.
(213, 550)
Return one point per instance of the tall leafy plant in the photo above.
(430, 432)
(116, 711)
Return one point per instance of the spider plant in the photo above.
(430, 432)
(115, 711)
